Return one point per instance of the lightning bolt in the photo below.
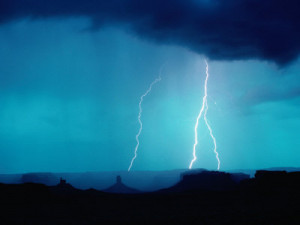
(140, 121)
(204, 109)
(212, 136)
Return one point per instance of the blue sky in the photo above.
(69, 102)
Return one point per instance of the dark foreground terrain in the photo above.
(203, 198)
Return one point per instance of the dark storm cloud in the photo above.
(265, 94)
(220, 29)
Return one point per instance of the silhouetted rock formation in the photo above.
(272, 180)
(119, 187)
(270, 175)
(269, 198)
(205, 180)
(64, 185)
(63, 188)
(40, 178)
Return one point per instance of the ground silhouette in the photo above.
(270, 198)
(121, 188)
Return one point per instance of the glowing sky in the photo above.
(69, 102)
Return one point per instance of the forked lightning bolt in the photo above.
(212, 136)
(197, 123)
(204, 109)
(140, 121)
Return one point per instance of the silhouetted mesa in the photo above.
(64, 185)
(119, 187)
(277, 178)
(63, 188)
(40, 178)
(199, 198)
(206, 180)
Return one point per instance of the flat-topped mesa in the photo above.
(207, 180)
(201, 180)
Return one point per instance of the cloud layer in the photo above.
(244, 29)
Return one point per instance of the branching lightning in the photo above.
(140, 121)
(212, 136)
(204, 109)
(198, 118)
